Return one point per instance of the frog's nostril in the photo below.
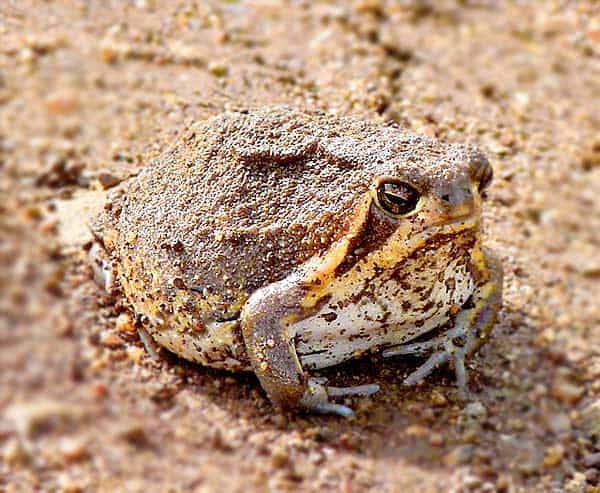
(457, 197)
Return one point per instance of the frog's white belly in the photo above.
(389, 311)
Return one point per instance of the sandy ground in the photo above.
(90, 92)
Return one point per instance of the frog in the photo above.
(285, 240)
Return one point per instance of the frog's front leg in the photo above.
(471, 329)
(266, 322)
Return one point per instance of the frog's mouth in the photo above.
(455, 225)
(446, 228)
(458, 212)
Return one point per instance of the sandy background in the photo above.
(90, 92)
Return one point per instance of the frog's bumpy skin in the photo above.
(245, 201)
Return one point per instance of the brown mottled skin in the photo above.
(252, 222)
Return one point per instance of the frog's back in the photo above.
(241, 200)
(237, 203)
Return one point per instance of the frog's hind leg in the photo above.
(471, 328)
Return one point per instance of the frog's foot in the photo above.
(454, 345)
(101, 267)
(317, 395)
(150, 345)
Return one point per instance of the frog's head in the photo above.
(419, 219)
(411, 256)
(418, 190)
(440, 193)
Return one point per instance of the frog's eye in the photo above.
(397, 198)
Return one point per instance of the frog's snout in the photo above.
(462, 197)
(459, 200)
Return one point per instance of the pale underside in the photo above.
(392, 308)
(389, 315)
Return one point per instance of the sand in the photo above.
(91, 92)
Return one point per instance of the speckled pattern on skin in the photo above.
(283, 197)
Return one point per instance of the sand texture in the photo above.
(91, 92)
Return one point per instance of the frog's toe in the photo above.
(435, 360)
(368, 389)
(332, 408)
(317, 395)
(150, 345)
(101, 268)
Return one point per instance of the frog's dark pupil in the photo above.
(397, 197)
